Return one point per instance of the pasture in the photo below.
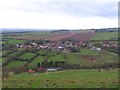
(15, 63)
(105, 36)
(85, 57)
(96, 58)
(84, 78)
(26, 56)
(36, 60)
(14, 42)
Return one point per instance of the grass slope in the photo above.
(27, 56)
(15, 63)
(64, 79)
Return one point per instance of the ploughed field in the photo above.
(76, 35)
(83, 78)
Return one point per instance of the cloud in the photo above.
(57, 15)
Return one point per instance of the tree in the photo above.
(51, 64)
(38, 64)
(74, 49)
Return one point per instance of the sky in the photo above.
(58, 14)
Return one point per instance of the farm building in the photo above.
(50, 69)
(95, 49)
(53, 69)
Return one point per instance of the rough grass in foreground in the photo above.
(64, 79)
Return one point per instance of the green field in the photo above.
(15, 63)
(36, 34)
(89, 58)
(35, 61)
(89, 52)
(4, 59)
(59, 57)
(64, 79)
(85, 57)
(6, 52)
(15, 42)
(105, 36)
(27, 56)
(13, 54)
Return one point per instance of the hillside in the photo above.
(64, 79)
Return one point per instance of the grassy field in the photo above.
(13, 54)
(36, 60)
(85, 57)
(27, 56)
(16, 42)
(4, 59)
(57, 58)
(89, 52)
(105, 36)
(6, 52)
(64, 79)
(92, 57)
(15, 63)
(36, 34)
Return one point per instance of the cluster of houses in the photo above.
(52, 45)
(109, 45)
(66, 45)
(45, 69)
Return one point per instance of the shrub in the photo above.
(5, 73)
(18, 70)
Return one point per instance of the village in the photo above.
(65, 45)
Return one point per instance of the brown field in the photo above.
(84, 36)
(81, 36)
(53, 37)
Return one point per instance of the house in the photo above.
(58, 68)
(60, 48)
(30, 71)
(106, 45)
(95, 49)
(51, 69)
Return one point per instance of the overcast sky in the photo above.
(58, 14)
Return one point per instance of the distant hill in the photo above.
(63, 30)
(107, 30)
(16, 30)
(22, 30)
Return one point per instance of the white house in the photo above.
(51, 69)
(95, 49)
